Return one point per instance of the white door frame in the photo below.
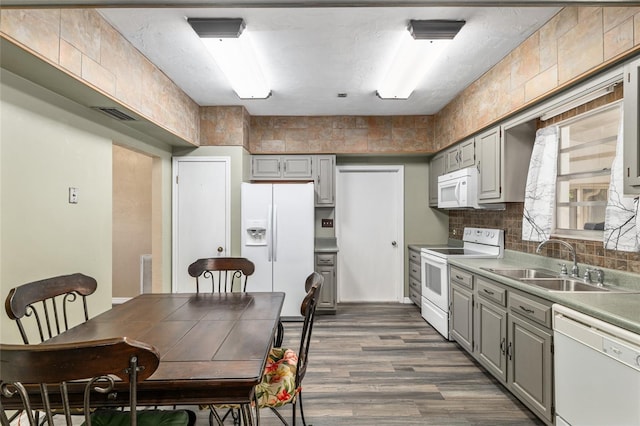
(399, 169)
(174, 207)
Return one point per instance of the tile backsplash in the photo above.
(589, 252)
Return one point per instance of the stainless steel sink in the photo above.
(566, 284)
(549, 280)
(525, 273)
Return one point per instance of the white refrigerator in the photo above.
(278, 237)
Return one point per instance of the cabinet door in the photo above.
(491, 338)
(462, 316)
(530, 363)
(297, 167)
(631, 132)
(265, 167)
(324, 167)
(328, 292)
(489, 165)
(467, 153)
(451, 159)
(436, 168)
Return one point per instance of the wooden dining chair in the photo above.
(48, 303)
(226, 274)
(282, 380)
(57, 378)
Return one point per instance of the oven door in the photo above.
(435, 281)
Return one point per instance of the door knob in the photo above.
(393, 243)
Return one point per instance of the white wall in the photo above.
(48, 144)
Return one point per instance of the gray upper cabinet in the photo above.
(460, 156)
(286, 167)
(489, 165)
(436, 168)
(503, 155)
(324, 179)
(631, 157)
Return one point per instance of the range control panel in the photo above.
(489, 236)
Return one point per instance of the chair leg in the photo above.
(277, 413)
(304, 423)
(213, 414)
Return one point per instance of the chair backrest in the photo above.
(308, 310)
(49, 303)
(38, 377)
(229, 273)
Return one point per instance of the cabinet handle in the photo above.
(510, 351)
(489, 292)
(502, 345)
(527, 310)
(459, 277)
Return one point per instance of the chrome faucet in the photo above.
(574, 270)
(599, 276)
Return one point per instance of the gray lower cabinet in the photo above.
(415, 275)
(491, 329)
(461, 308)
(531, 354)
(326, 265)
(511, 336)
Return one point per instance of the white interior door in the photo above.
(369, 228)
(201, 210)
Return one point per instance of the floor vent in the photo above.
(115, 113)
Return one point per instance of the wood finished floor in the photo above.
(382, 364)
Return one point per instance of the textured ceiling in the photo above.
(309, 55)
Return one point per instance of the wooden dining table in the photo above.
(213, 347)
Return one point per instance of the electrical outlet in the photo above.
(327, 223)
(73, 195)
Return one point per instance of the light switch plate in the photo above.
(73, 195)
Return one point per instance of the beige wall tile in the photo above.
(541, 84)
(70, 58)
(614, 16)
(618, 39)
(582, 47)
(98, 76)
(525, 61)
(39, 30)
(82, 29)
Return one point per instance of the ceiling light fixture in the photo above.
(230, 45)
(419, 46)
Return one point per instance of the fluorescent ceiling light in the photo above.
(577, 102)
(419, 47)
(230, 45)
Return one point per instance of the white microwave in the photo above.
(459, 189)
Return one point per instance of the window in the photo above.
(587, 147)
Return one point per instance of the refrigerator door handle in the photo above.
(270, 233)
(274, 235)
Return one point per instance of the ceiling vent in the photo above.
(115, 113)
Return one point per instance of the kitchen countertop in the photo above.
(326, 245)
(620, 309)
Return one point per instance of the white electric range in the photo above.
(477, 243)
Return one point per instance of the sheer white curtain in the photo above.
(540, 192)
(621, 222)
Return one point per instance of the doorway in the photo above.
(370, 230)
(132, 218)
(201, 214)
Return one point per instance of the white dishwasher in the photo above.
(597, 371)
